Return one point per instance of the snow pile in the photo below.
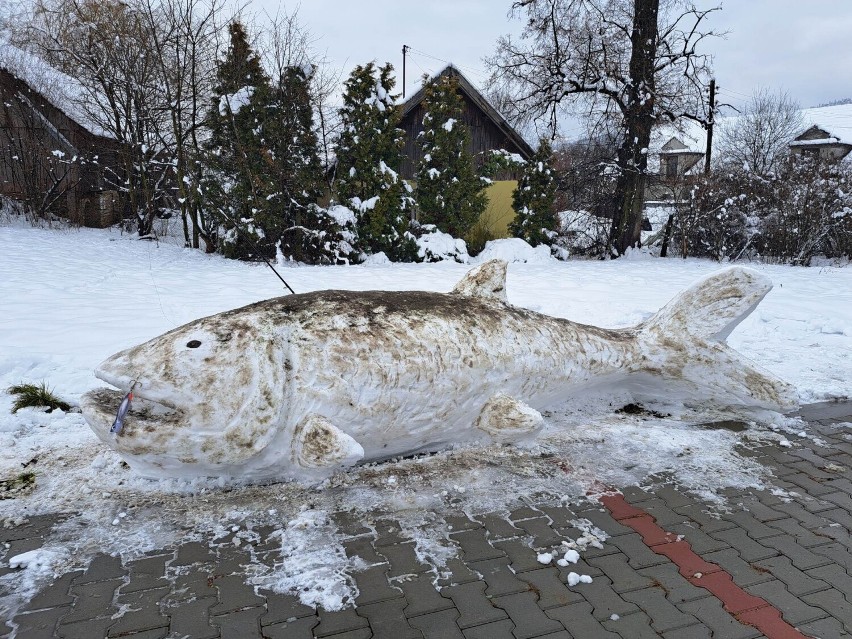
(30, 572)
(515, 251)
(435, 246)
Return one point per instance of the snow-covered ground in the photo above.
(70, 298)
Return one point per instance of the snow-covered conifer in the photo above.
(237, 181)
(449, 190)
(368, 155)
(533, 199)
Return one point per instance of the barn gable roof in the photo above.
(471, 92)
(61, 91)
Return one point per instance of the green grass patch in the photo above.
(16, 486)
(36, 396)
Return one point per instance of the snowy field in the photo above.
(70, 298)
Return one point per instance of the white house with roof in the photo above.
(676, 154)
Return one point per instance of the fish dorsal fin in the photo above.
(487, 281)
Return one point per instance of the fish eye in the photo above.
(193, 344)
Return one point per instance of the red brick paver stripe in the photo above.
(747, 609)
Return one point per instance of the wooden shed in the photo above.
(48, 158)
(488, 129)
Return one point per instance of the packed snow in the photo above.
(71, 298)
(234, 102)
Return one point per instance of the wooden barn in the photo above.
(488, 131)
(51, 159)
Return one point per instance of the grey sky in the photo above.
(803, 47)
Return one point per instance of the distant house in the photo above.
(819, 143)
(672, 165)
(676, 159)
(51, 156)
(489, 131)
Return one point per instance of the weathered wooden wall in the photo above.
(33, 132)
(484, 136)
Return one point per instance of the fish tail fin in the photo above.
(684, 344)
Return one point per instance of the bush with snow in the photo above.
(513, 250)
(803, 211)
(435, 246)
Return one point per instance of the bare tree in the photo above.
(759, 137)
(108, 49)
(186, 36)
(635, 62)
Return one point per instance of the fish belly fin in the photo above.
(506, 419)
(318, 445)
(487, 281)
(684, 344)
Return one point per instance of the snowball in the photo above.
(574, 579)
(572, 556)
(545, 558)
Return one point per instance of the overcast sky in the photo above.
(801, 46)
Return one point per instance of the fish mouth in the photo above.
(100, 406)
(143, 389)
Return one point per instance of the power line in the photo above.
(474, 70)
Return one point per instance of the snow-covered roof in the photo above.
(836, 120)
(63, 91)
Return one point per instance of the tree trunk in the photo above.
(667, 235)
(638, 119)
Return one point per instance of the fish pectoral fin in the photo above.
(506, 419)
(319, 444)
(487, 281)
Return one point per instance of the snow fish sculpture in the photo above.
(297, 387)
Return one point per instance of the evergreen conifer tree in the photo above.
(449, 189)
(237, 180)
(368, 156)
(266, 175)
(303, 230)
(535, 219)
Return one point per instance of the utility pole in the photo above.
(710, 121)
(405, 49)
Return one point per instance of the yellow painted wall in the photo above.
(499, 213)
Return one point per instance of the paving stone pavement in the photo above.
(791, 551)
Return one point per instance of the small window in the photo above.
(671, 166)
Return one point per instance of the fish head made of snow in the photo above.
(205, 395)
